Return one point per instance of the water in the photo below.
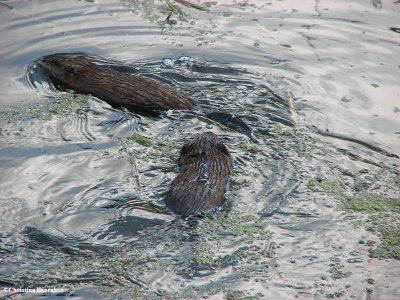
(82, 183)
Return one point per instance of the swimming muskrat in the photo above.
(80, 74)
(204, 168)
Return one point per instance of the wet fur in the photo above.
(77, 72)
(204, 168)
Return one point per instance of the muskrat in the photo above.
(80, 74)
(204, 168)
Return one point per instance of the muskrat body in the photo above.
(78, 73)
(204, 168)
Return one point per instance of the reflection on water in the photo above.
(314, 203)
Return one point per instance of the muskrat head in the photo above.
(65, 68)
(205, 165)
(206, 146)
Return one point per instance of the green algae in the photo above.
(196, 253)
(390, 246)
(337, 272)
(388, 226)
(37, 111)
(252, 148)
(158, 146)
(156, 13)
(142, 140)
(203, 259)
(63, 103)
(370, 202)
(238, 184)
(373, 201)
(211, 236)
(67, 102)
(243, 225)
(327, 186)
(234, 295)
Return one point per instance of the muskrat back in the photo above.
(204, 168)
(77, 72)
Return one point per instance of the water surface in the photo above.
(83, 183)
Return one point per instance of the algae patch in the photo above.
(194, 248)
(327, 186)
(390, 247)
(378, 211)
(372, 202)
(388, 226)
(227, 230)
(252, 148)
(66, 102)
(142, 140)
(63, 103)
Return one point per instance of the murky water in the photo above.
(83, 184)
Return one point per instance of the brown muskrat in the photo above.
(77, 72)
(204, 168)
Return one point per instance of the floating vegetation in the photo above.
(67, 102)
(370, 202)
(388, 226)
(142, 140)
(155, 148)
(249, 147)
(378, 203)
(327, 186)
(63, 103)
(136, 269)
